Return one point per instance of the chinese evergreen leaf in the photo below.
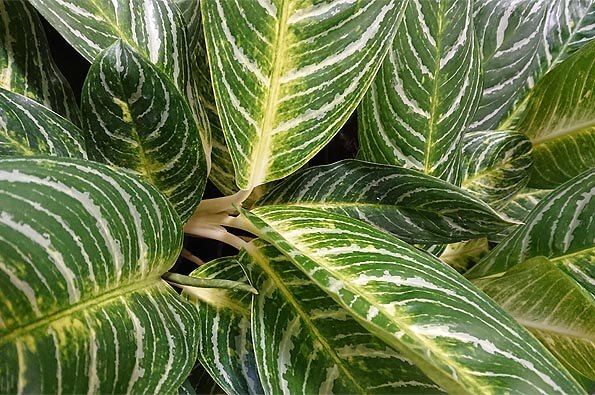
(225, 338)
(495, 165)
(548, 302)
(454, 333)
(83, 308)
(416, 207)
(190, 10)
(26, 64)
(560, 227)
(510, 34)
(28, 128)
(560, 121)
(426, 91)
(462, 256)
(186, 388)
(519, 207)
(306, 343)
(569, 25)
(137, 119)
(287, 75)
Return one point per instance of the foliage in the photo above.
(455, 254)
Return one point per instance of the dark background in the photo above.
(74, 67)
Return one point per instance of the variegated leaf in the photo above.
(426, 91)
(306, 343)
(519, 207)
(560, 121)
(137, 119)
(26, 64)
(416, 207)
(190, 10)
(82, 249)
(569, 25)
(560, 227)
(28, 128)
(496, 165)
(509, 33)
(454, 333)
(548, 302)
(288, 74)
(462, 256)
(225, 339)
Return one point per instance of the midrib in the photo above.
(564, 132)
(260, 155)
(543, 327)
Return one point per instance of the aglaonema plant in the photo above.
(454, 254)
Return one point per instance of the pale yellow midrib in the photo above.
(564, 132)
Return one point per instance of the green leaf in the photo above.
(560, 121)
(548, 302)
(454, 333)
(416, 207)
(28, 128)
(190, 10)
(560, 227)
(306, 343)
(496, 165)
(26, 64)
(510, 34)
(82, 249)
(137, 119)
(569, 25)
(462, 256)
(225, 339)
(287, 75)
(519, 207)
(426, 91)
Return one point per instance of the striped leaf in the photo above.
(426, 91)
(519, 207)
(560, 227)
(137, 119)
(288, 74)
(190, 10)
(569, 25)
(26, 64)
(82, 249)
(305, 343)
(510, 34)
(225, 338)
(416, 207)
(462, 256)
(549, 303)
(28, 128)
(560, 121)
(454, 333)
(496, 165)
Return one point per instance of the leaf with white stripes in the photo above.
(569, 25)
(190, 10)
(136, 118)
(26, 64)
(454, 333)
(462, 256)
(225, 339)
(548, 302)
(83, 307)
(288, 74)
(509, 33)
(426, 91)
(28, 128)
(306, 343)
(519, 207)
(496, 165)
(560, 227)
(416, 207)
(560, 121)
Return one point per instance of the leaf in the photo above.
(462, 256)
(137, 119)
(509, 33)
(496, 165)
(560, 227)
(560, 121)
(306, 343)
(416, 207)
(454, 333)
(287, 76)
(83, 308)
(519, 207)
(225, 339)
(569, 25)
(549, 303)
(26, 63)
(28, 128)
(426, 91)
(190, 10)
